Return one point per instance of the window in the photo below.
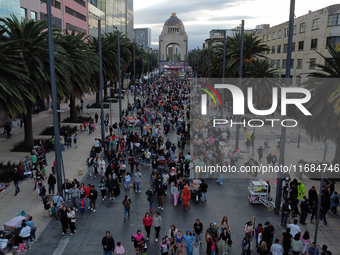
(286, 31)
(268, 37)
(315, 24)
(285, 47)
(300, 47)
(278, 49)
(292, 63)
(312, 62)
(74, 28)
(279, 34)
(273, 49)
(302, 27)
(268, 51)
(333, 40)
(23, 12)
(274, 36)
(263, 37)
(54, 3)
(81, 2)
(75, 14)
(334, 20)
(293, 46)
(314, 43)
(294, 30)
(284, 63)
(55, 21)
(299, 64)
(33, 15)
(277, 63)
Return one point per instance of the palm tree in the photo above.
(262, 76)
(30, 38)
(84, 63)
(324, 123)
(12, 71)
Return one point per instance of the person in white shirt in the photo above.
(294, 228)
(165, 182)
(101, 164)
(25, 234)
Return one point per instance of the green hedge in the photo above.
(99, 106)
(80, 119)
(22, 147)
(50, 130)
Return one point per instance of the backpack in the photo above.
(336, 200)
(74, 140)
(133, 239)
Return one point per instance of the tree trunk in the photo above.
(28, 126)
(59, 113)
(73, 110)
(105, 89)
(336, 159)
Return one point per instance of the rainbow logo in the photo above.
(209, 93)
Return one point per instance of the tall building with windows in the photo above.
(311, 34)
(143, 36)
(94, 14)
(8, 7)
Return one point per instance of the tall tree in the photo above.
(324, 123)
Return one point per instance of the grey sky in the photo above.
(199, 17)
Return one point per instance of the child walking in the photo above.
(82, 204)
(127, 181)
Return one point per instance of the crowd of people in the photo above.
(146, 136)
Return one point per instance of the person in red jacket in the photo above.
(186, 195)
(147, 222)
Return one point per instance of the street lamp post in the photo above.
(101, 82)
(203, 60)
(58, 159)
(134, 72)
(147, 73)
(209, 46)
(320, 192)
(284, 117)
(237, 140)
(223, 71)
(142, 80)
(119, 81)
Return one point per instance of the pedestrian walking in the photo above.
(305, 241)
(8, 129)
(157, 223)
(63, 218)
(16, 179)
(266, 145)
(147, 222)
(204, 188)
(260, 152)
(286, 240)
(102, 187)
(160, 196)
(127, 205)
(138, 181)
(93, 198)
(89, 163)
(96, 117)
(276, 248)
(108, 244)
(119, 250)
(137, 237)
(75, 194)
(75, 139)
(186, 196)
(82, 204)
(71, 215)
(297, 245)
(150, 196)
(175, 193)
(189, 241)
(51, 183)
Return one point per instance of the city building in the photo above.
(216, 36)
(8, 7)
(143, 36)
(311, 34)
(94, 14)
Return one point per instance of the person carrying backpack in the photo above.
(246, 245)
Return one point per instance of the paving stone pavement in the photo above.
(229, 199)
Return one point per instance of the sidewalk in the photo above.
(73, 159)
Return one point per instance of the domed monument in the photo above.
(173, 40)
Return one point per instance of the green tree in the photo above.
(30, 38)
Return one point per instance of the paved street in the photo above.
(230, 199)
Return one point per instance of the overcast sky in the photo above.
(199, 17)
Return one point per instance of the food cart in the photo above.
(258, 194)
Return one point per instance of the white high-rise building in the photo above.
(143, 36)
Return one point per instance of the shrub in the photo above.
(80, 119)
(99, 105)
(23, 147)
(6, 174)
(50, 130)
